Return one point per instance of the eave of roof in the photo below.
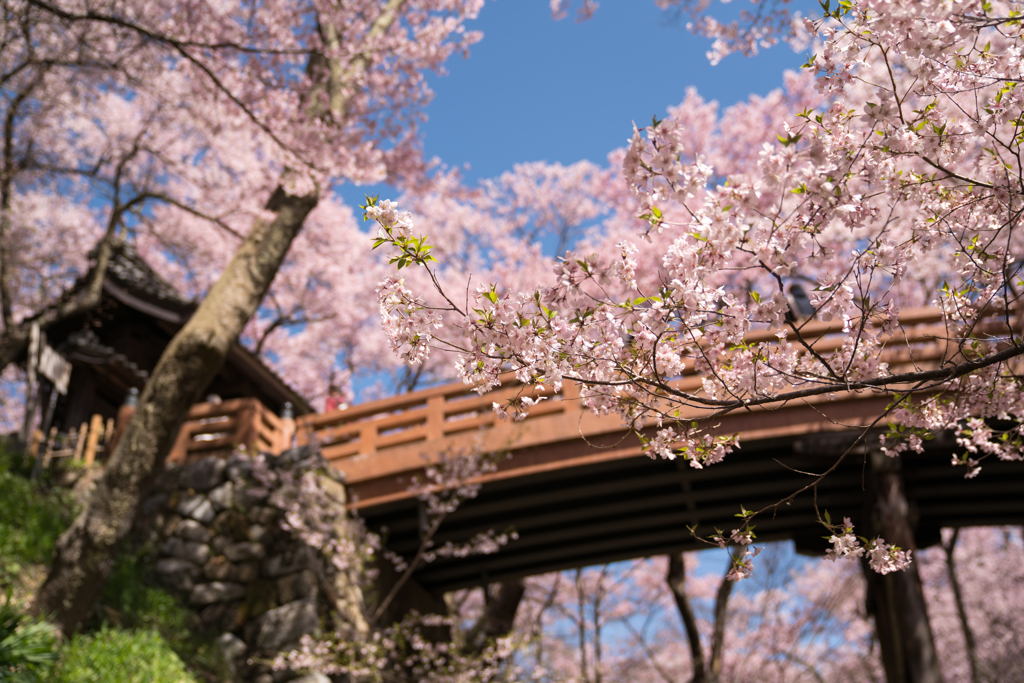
(133, 283)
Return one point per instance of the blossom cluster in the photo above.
(404, 651)
(884, 184)
(882, 557)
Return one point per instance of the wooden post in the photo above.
(435, 417)
(896, 600)
(246, 425)
(287, 433)
(31, 385)
(179, 451)
(37, 469)
(95, 428)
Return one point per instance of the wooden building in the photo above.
(115, 346)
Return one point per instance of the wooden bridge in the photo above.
(577, 489)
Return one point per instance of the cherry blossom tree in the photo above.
(974, 587)
(794, 620)
(892, 185)
(238, 116)
(895, 189)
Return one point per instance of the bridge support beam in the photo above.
(896, 600)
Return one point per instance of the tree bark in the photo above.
(704, 670)
(677, 583)
(954, 582)
(896, 600)
(85, 552)
(721, 615)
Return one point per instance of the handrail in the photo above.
(218, 428)
(922, 341)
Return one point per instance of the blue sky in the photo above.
(537, 89)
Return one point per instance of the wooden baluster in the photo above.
(571, 397)
(368, 438)
(435, 417)
(83, 431)
(108, 436)
(246, 426)
(95, 428)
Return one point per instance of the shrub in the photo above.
(115, 655)
(131, 599)
(27, 646)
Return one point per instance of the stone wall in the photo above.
(222, 547)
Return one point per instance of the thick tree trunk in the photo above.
(677, 583)
(85, 552)
(896, 600)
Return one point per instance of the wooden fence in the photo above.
(210, 429)
(84, 444)
(426, 415)
(453, 414)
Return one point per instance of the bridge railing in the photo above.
(923, 341)
(421, 416)
(217, 428)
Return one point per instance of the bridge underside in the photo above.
(637, 507)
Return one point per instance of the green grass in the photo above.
(115, 655)
(32, 516)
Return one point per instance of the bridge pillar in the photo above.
(896, 600)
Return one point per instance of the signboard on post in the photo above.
(55, 368)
